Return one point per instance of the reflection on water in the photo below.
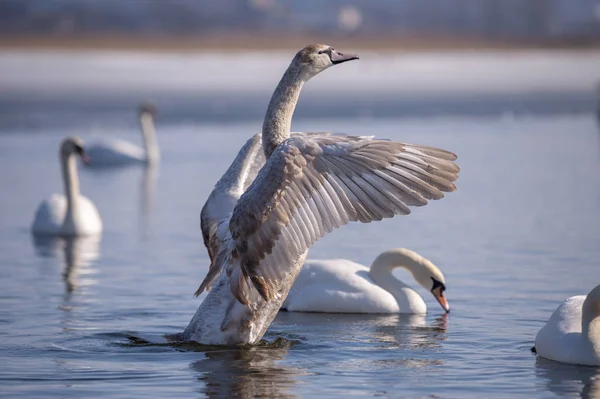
(246, 373)
(410, 331)
(392, 333)
(77, 254)
(567, 380)
(147, 190)
(390, 330)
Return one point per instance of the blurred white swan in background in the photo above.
(572, 334)
(258, 223)
(114, 152)
(146, 195)
(71, 214)
(343, 286)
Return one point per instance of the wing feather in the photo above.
(221, 202)
(228, 190)
(315, 183)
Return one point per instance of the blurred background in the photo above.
(240, 23)
(190, 55)
(511, 86)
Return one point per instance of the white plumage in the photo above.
(70, 214)
(344, 286)
(572, 334)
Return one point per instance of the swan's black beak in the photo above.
(338, 58)
(438, 293)
(82, 154)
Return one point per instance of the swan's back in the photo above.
(560, 338)
(115, 153)
(338, 286)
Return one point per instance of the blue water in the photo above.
(519, 236)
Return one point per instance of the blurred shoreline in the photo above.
(254, 42)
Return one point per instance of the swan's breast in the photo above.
(89, 221)
(50, 215)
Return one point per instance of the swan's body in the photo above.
(112, 153)
(272, 205)
(343, 286)
(70, 214)
(572, 334)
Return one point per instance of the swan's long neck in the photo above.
(381, 273)
(149, 137)
(71, 184)
(278, 119)
(590, 319)
(591, 331)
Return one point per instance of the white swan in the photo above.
(122, 153)
(71, 214)
(343, 286)
(259, 223)
(572, 334)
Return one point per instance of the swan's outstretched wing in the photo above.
(314, 183)
(228, 190)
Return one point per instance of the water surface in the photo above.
(519, 236)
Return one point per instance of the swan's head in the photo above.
(423, 270)
(148, 108)
(429, 276)
(73, 145)
(316, 58)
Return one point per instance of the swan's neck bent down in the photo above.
(278, 119)
(381, 273)
(590, 322)
(222, 320)
(149, 138)
(71, 185)
(591, 333)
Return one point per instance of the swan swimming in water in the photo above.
(572, 334)
(271, 205)
(121, 153)
(71, 214)
(343, 286)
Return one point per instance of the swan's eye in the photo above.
(79, 149)
(321, 51)
(437, 284)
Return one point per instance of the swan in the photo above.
(71, 214)
(572, 334)
(285, 191)
(122, 153)
(343, 286)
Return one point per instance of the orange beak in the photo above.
(438, 293)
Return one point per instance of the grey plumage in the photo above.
(324, 181)
(268, 209)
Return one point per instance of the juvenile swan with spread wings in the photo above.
(272, 205)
